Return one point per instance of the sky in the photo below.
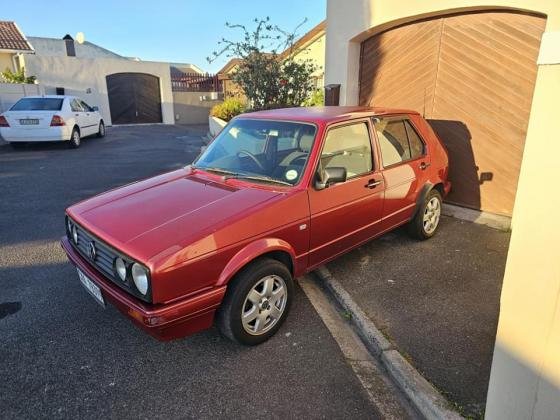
(165, 30)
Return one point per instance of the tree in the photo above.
(8, 76)
(268, 79)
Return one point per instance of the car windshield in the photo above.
(38, 104)
(260, 151)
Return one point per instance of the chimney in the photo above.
(70, 49)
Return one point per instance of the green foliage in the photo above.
(268, 79)
(317, 98)
(8, 76)
(228, 109)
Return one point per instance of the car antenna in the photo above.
(424, 107)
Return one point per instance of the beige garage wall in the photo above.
(85, 78)
(525, 377)
(192, 107)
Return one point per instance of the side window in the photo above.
(75, 106)
(393, 141)
(416, 144)
(348, 147)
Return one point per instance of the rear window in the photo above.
(38, 104)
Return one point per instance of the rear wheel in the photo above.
(257, 302)
(75, 139)
(425, 223)
(101, 131)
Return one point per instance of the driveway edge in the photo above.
(425, 398)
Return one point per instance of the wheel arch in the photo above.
(428, 186)
(274, 248)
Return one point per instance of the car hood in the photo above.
(161, 215)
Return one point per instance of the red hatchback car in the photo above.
(275, 195)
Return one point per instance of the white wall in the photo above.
(10, 93)
(57, 47)
(77, 75)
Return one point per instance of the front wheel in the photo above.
(425, 223)
(257, 302)
(75, 139)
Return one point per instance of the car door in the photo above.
(404, 160)
(79, 116)
(91, 118)
(346, 214)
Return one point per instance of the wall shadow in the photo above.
(463, 171)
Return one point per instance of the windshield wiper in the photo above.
(216, 170)
(258, 178)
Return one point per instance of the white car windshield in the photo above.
(38, 104)
(260, 151)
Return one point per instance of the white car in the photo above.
(50, 118)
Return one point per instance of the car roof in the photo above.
(325, 114)
(49, 96)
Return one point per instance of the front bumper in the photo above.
(163, 321)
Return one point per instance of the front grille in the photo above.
(104, 260)
(104, 256)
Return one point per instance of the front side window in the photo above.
(260, 150)
(37, 104)
(398, 141)
(348, 147)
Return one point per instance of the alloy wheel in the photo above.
(264, 305)
(432, 215)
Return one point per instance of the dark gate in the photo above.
(134, 98)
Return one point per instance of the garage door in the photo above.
(472, 75)
(134, 98)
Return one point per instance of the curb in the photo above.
(424, 397)
(492, 220)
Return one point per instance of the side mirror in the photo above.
(331, 176)
(95, 108)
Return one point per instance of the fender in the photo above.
(428, 186)
(250, 252)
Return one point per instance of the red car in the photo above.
(275, 195)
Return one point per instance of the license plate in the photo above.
(29, 121)
(91, 287)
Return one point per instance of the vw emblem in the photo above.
(92, 250)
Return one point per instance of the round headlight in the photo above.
(75, 234)
(140, 277)
(120, 268)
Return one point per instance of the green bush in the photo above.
(317, 98)
(228, 109)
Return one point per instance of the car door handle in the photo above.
(424, 165)
(372, 183)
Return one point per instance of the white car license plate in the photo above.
(92, 288)
(29, 121)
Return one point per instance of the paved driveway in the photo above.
(437, 300)
(62, 356)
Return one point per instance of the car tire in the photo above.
(426, 221)
(256, 303)
(18, 144)
(101, 131)
(75, 139)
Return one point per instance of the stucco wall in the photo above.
(10, 93)
(6, 61)
(190, 109)
(57, 47)
(525, 377)
(316, 53)
(77, 75)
